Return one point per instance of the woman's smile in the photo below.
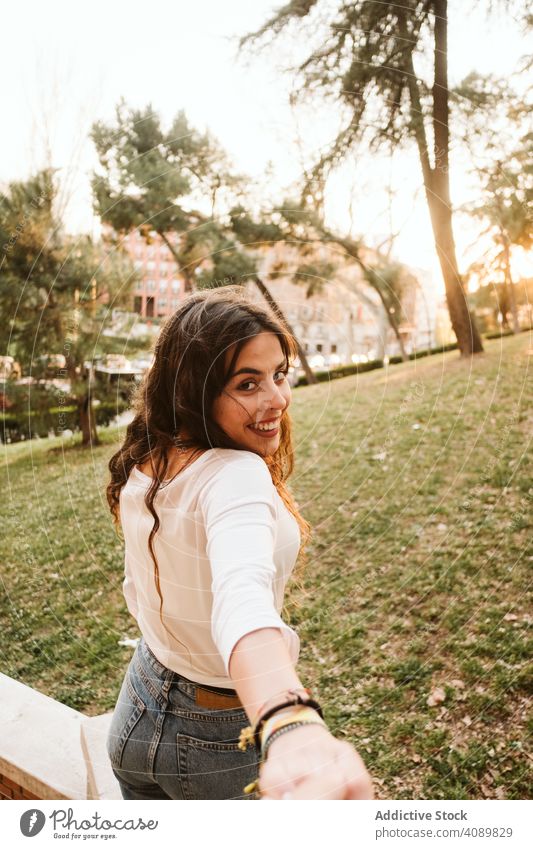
(257, 393)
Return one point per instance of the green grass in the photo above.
(415, 481)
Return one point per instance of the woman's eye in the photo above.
(279, 376)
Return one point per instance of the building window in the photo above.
(161, 303)
(138, 304)
(163, 285)
(175, 286)
(333, 349)
(174, 303)
(150, 265)
(319, 347)
(150, 285)
(150, 307)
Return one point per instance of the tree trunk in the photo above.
(463, 322)
(437, 181)
(386, 310)
(277, 312)
(438, 194)
(89, 433)
(382, 320)
(185, 273)
(383, 328)
(401, 345)
(351, 249)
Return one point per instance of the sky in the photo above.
(69, 63)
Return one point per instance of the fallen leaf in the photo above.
(457, 683)
(466, 721)
(436, 697)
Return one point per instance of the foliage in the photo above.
(359, 368)
(315, 253)
(176, 183)
(364, 56)
(496, 131)
(28, 422)
(56, 291)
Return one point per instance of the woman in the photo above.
(211, 536)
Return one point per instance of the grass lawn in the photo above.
(413, 611)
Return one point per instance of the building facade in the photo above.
(160, 287)
(344, 320)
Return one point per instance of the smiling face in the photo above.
(257, 393)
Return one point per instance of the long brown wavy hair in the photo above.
(177, 394)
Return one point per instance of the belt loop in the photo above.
(167, 683)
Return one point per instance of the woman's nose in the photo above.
(273, 397)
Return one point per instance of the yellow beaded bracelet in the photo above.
(301, 714)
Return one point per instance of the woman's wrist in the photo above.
(303, 692)
(295, 707)
(292, 738)
(290, 716)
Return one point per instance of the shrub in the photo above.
(358, 368)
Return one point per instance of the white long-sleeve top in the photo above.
(225, 549)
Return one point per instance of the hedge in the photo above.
(359, 368)
(23, 424)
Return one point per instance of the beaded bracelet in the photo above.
(251, 734)
(297, 713)
(280, 731)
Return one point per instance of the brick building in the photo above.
(161, 287)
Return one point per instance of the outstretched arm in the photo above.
(306, 762)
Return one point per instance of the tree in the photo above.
(56, 291)
(509, 223)
(179, 184)
(164, 181)
(306, 233)
(365, 56)
(503, 164)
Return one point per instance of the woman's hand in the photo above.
(309, 763)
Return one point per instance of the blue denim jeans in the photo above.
(162, 745)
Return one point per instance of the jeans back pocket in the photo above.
(214, 769)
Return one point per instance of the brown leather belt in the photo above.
(213, 700)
